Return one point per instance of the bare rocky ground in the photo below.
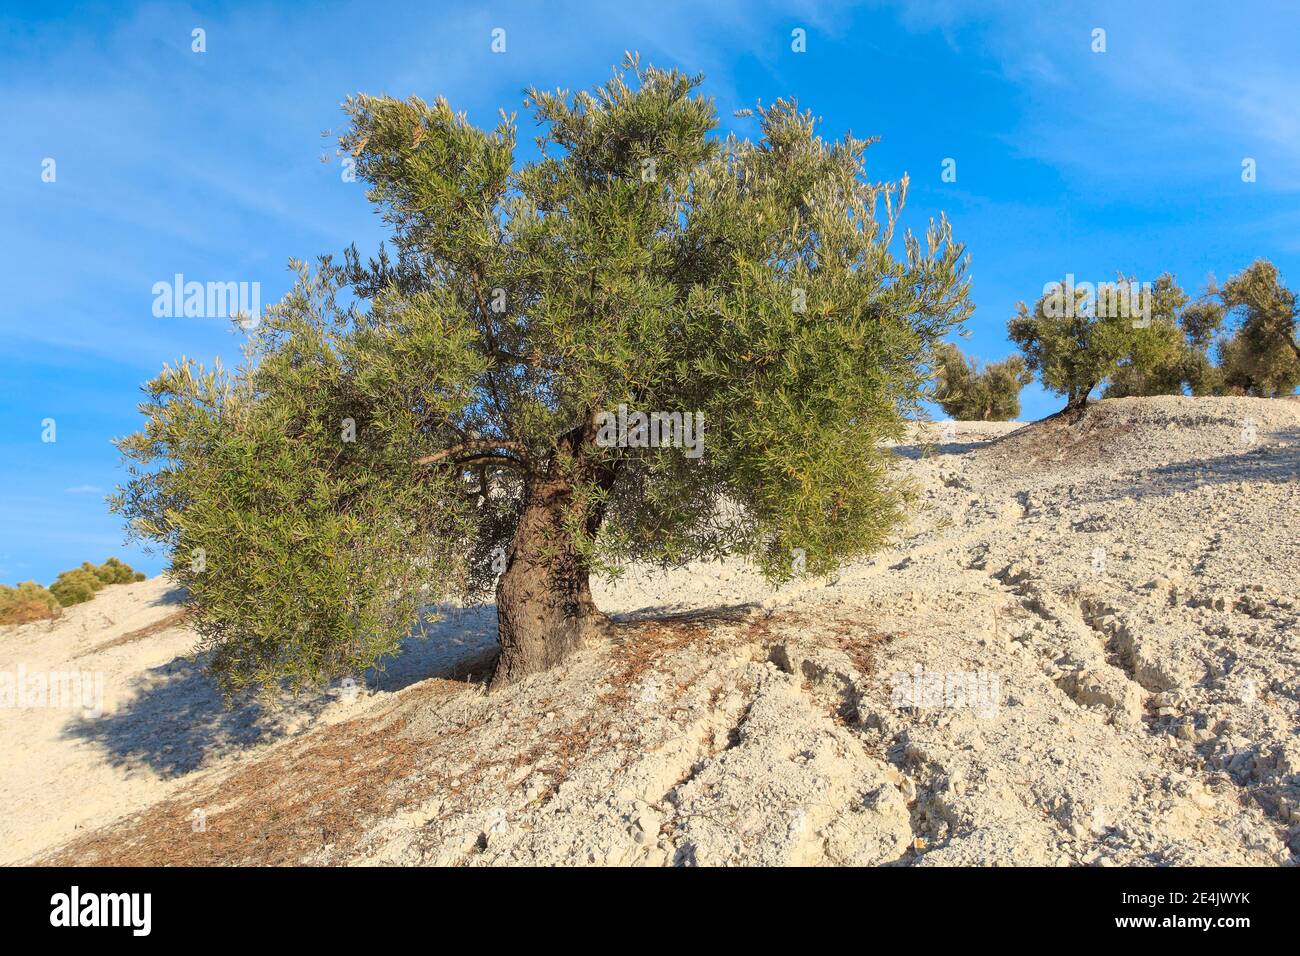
(1082, 651)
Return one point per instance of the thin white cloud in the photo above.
(1178, 94)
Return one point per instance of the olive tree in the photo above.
(1077, 340)
(968, 393)
(650, 343)
(1262, 356)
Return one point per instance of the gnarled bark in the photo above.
(544, 606)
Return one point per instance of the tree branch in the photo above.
(484, 448)
(489, 329)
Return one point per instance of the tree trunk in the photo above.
(544, 606)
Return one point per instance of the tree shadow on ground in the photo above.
(916, 452)
(680, 614)
(173, 595)
(177, 721)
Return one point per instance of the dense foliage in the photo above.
(1261, 356)
(968, 393)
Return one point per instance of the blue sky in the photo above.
(209, 164)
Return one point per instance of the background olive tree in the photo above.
(968, 393)
(1076, 347)
(424, 424)
(1249, 324)
(1260, 356)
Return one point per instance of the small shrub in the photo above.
(27, 602)
(115, 571)
(30, 602)
(75, 586)
(80, 584)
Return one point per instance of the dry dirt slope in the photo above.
(1082, 651)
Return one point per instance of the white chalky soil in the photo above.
(1083, 650)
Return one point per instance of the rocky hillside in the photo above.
(1083, 650)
